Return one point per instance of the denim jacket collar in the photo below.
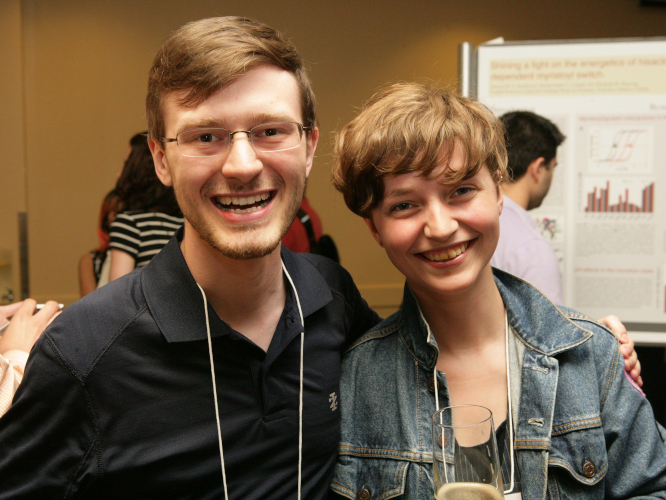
(526, 308)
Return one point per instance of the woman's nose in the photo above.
(440, 223)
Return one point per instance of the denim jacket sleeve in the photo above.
(635, 442)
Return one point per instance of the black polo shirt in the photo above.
(117, 401)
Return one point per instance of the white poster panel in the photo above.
(606, 211)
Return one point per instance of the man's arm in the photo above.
(631, 363)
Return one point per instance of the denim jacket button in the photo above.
(589, 470)
(442, 441)
(431, 384)
(363, 494)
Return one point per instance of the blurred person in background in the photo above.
(148, 216)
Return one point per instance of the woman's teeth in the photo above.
(446, 254)
(248, 203)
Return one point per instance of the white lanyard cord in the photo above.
(510, 419)
(217, 411)
(508, 384)
(300, 395)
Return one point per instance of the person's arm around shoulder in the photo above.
(635, 442)
(631, 363)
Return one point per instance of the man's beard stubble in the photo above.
(207, 232)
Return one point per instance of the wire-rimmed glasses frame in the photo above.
(205, 142)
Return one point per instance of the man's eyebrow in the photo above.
(259, 118)
(201, 123)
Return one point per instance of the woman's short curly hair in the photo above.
(413, 127)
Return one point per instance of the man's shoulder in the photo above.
(517, 222)
(88, 327)
(337, 277)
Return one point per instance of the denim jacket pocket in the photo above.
(369, 478)
(579, 454)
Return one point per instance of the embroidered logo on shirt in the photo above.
(333, 399)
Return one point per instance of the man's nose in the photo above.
(242, 162)
(440, 223)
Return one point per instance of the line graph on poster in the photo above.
(621, 149)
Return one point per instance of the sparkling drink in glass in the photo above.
(465, 457)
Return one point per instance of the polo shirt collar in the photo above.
(176, 303)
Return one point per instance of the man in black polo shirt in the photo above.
(213, 372)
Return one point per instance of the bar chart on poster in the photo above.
(605, 213)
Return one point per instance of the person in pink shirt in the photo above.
(17, 340)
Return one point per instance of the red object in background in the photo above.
(296, 238)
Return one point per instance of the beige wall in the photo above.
(12, 162)
(85, 64)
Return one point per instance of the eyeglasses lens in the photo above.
(265, 138)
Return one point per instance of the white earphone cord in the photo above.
(300, 392)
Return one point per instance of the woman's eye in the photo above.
(462, 191)
(400, 207)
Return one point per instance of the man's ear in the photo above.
(536, 168)
(161, 164)
(311, 140)
(373, 230)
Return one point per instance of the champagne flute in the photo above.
(465, 457)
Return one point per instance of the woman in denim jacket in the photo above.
(423, 167)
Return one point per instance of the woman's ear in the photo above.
(500, 199)
(373, 230)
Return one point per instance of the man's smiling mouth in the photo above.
(449, 254)
(243, 204)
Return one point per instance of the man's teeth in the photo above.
(446, 254)
(233, 203)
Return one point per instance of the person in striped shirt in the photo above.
(149, 217)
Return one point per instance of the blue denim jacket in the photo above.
(582, 430)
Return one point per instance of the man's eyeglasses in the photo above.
(265, 138)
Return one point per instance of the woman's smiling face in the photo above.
(440, 236)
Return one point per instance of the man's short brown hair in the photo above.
(408, 127)
(203, 56)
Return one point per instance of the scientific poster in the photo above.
(605, 213)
